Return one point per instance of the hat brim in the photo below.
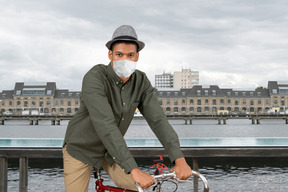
(140, 44)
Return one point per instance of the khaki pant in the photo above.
(77, 174)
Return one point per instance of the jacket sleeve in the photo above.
(101, 114)
(157, 120)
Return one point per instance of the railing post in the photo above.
(23, 174)
(3, 174)
(195, 178)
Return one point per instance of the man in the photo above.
(109, 98)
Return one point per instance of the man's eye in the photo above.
(118, 54)
(132, 55)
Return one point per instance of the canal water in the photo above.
(223, 174)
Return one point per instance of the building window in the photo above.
(244, 94)
(10, 102)
(236, 102)
(168, 94)
(229, 101)
(267, 101)
(259, 94)
(183, 93)
(77, 94)
(183, 109)
(18, 92)
(214, 102)
(61, 110)
(56, 102)
(183, 101)
(33, 103)
(176, 93)
(199, 109)
(213, 92)
(191, 108)
(25, 103)
(259, 102)
(275, 102)
(160, 93)
(191, 101)
(175, 102)
(274, 91)
(206, 93)
(236, 93)
(69, 103)
(76, 102)
(2, 103)
(18, 102)
(61, 102)
(244, 101)
(175, 109)
(206, 109)
(62, 94)
(168, 109)
(199, 102)
(48, 102)
(41, 103)
(168, 101)
(221, 101)
(251, 94)
(160, 102)
(49, 92)
(206, 101)
(68, 110)
(198, 93)
(251, 102)
(69, 94)
(228, 93)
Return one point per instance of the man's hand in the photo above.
(182, 169)
(143, 179)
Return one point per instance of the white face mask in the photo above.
(124, 68)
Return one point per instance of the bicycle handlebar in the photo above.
(174, 177)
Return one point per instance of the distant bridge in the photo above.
(56, 119)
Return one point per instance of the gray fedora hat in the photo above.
(125, 33)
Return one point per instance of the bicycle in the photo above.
(159, 176)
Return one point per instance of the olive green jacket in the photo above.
(106, 110)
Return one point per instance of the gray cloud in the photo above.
(232, 43)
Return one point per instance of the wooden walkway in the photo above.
(278, 149)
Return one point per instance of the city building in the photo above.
(210, 99)
(185, 78)
(45, 98)
(164, 81)
(39, 98)
(179, 79)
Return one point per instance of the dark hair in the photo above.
(127, 42)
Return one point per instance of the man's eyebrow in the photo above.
(127, 53)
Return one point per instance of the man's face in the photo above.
(121, 51)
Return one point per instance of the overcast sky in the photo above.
(233, 44)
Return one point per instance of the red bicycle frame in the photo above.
(102, 188)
